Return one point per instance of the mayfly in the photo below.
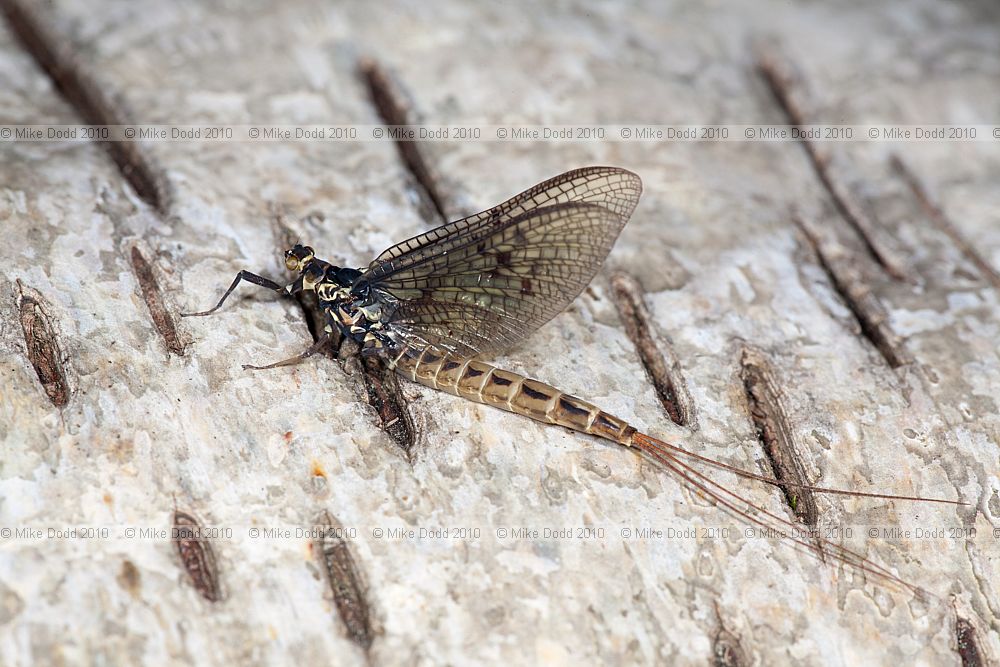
(432, 305)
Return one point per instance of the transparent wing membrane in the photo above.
(481, 284)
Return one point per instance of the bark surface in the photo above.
(828, 309)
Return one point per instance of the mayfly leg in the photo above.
(250, 278)
(323, 341)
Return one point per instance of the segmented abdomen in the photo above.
(484, 383)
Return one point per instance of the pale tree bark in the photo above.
(824, 311)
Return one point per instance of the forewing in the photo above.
(614, 189)
(481, 284)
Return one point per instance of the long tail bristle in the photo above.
(664, 454)
(649, 440)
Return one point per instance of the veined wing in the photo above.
(481, 284)
(614, 189)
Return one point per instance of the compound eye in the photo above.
(291, 261)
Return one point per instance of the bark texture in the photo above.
(838, 269)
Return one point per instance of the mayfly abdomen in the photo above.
(487, 384)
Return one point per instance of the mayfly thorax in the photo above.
(433, 304)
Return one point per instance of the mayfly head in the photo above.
(311, 270)
(298, 257)
(329, 281)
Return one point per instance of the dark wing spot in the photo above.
(503, 258)
(526, 286)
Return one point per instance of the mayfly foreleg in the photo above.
(250, 278)
(323, 341)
